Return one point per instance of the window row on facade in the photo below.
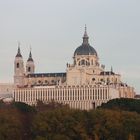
(32, 95)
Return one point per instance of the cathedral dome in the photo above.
(85, 48)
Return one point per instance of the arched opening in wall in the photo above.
(79, 64)
(112, 80)
(17, 65)
(46, 82)
(82, 62)
(29, 69)
(91, 62)
(39, 82)
(108, 81)
(93, 105)
(93, 79)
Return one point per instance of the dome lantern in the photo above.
(85, 37)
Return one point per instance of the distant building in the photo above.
(84, 85)
(137, 96)
(6, 90)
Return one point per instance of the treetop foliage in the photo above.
(123, 104)
(116, 120)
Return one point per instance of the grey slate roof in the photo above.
(18, 53)
(85, 49)
(47, 75)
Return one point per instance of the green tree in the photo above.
(126, 104)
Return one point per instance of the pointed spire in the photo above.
(30, 56)
(18, 52)
(85, 33)
(85, 37)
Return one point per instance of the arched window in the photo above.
(29, 69)
(79, 63)
(108, 81)
(91, 62)
(17, 65)
(82, 62)
(93, 79)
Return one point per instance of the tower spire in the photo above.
(85, 37)
(18, 52)
(85, 34)
(30, 55)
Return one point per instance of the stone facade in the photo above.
(78, 97)
(85, 84)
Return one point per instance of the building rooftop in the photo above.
(63, 74)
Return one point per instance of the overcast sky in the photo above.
(54, 29)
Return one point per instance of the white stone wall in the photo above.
(114, 93)
(78, 97)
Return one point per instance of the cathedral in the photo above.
(85, 84)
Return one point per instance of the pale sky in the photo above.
(54, 29)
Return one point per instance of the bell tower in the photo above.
(19, 72)
(30, 66)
